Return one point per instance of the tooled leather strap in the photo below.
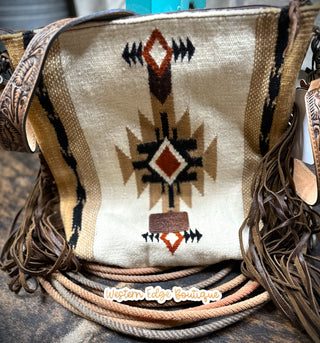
(15, 100)
(312, 100)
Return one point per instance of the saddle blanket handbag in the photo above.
(158, 135)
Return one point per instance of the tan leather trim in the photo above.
(312, 100)
(305, 182)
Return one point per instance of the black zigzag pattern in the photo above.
(275, 80)
(188, 234)
(151, 236)
(69, 159)
(192, 235)
(134, 55)
(182, 49)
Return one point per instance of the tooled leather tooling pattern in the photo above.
(15, 99)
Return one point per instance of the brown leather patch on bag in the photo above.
(168, 222)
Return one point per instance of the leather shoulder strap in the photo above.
(15, 133)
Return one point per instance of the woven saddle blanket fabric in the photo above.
(161, 115)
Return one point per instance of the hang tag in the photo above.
(168, 222)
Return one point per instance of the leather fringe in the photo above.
(37, 246)
(280, 227)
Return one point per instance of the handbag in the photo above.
(151, 131)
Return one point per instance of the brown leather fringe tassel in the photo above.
(37, 246)
(280, 226)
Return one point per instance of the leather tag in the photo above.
(168, 222)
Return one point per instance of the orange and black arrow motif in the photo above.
(159, 73)
(175, 239)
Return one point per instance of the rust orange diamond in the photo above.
(147, 52)
(167, 162)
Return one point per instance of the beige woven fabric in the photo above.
(152, 115)
(266, 38)
(85, 168)
(123, 217)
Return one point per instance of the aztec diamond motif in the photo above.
(167, 162)
(159, 59)
(169, 158)
(158, 52)
(158, 55)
